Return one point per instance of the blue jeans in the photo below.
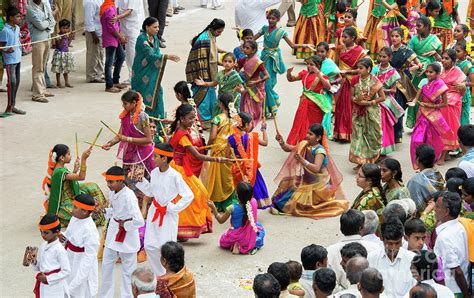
(114, 56)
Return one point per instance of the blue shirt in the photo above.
(11, 36)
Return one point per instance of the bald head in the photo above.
(143, 281)
(354, 268)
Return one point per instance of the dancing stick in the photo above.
(95, 145)
(156, 119)
(96, 137)
(113, 131)
(77, 146)
(240, 159)
(161, 126)
(276, 125)
(238, 165)
(207, 147)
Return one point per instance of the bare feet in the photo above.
(69, 85)
(235, 249)
(60, 86)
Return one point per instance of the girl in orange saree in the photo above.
(196, 218)
(349, 54)
(455, 80)
(430, 126)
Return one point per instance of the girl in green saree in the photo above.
(61, 186)
(272, 58)
(466, 66)
(148, 67)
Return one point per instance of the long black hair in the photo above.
(372, 172)
(244, 194)
(216, 24)
(181, 112)
(182, 88)
(226, 98)
(60, 150)
(394, 166)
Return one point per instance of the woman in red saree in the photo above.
(313, 104)
(430, 127)
(196, 218)
(255, 75)
(349, 54)
(455, 79)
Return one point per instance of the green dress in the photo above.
(366, 139)
(147, 72)
(62, 193)
(467, 67)
(226, 84)
(370, 200)
(398, 193)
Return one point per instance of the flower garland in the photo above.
(234, 116)
(46, 184)
(248, 207)
(248, 175)
(138, 109)
(197, 121)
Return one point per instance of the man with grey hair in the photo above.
(354, 268)
(371, 283)
(143, 282)
(371, 223)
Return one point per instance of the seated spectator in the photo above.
(422, 290)
(395, 210)
(371, 224)
(143, 282)
(282, 273)
(451, 243)
(371, 283)
(371, 197)
(313, 257)
(351, 226)
(393, 261)
(296, 270)
(177, 280)
(454, 185)
(466, 140)
(393, 188)
(415, 235)
(324, 282)
(455, 172)
(351, 250)
(354, 268)
(266, 286)
(428, 180)
(424, 267)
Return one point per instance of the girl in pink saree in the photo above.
(455, 80)
(245, 234)
(430, 127)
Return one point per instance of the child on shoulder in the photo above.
(63, 61)
(82, 245)
(122, 238)
(52, 263)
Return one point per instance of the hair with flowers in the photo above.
(131, 96)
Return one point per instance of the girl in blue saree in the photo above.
(202, 65)
(272, 59)
(148, 67)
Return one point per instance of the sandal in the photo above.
(40, 99)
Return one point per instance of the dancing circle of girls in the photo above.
(173, 181)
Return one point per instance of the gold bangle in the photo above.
(83, 168)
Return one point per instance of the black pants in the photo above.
(157, 9)
(114, 57)
(13, 76)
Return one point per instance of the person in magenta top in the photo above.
(113, 41)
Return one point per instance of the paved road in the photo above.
(26, 140)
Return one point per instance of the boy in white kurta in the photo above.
(122, 238)
(82, 246)
(165, 185)
(52, 262)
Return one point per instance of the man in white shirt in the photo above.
(451, 243)
(82, 246)
(424, 267)
(122, 238)
(351, 226)
(162, 218)
(313, 257)
(466, 140)
(143, 283)
(371, 283)
(131, 17)
(94, 50)
(251, 14)
(371, 223)
(354, 268)
(393, 261)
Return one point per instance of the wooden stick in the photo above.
(96, 137)
(238, 165)
(276, 125)
(115, 133)
(207, 147)
(156, 119)
(95, 145)
(77, 146)
(240, 159)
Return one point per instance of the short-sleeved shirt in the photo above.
(11, 36)
(185, 142)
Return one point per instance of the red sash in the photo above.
(159, 212)
(36, 290)
(120, 237)
(73, 248)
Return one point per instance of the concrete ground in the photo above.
(26, 140)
